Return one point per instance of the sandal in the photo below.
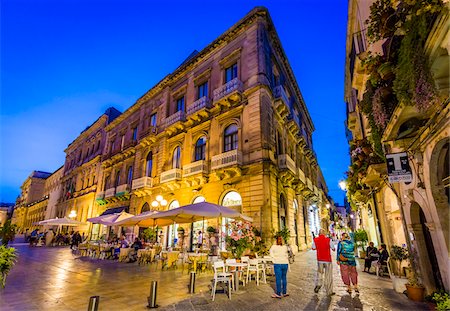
(285, 295)
(276, 296)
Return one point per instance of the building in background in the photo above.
(32, 203)
(228, 126)
(6, 211)
(396, 89)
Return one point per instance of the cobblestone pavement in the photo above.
(55, 279)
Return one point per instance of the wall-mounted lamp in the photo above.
(72, 214)
(159, 201)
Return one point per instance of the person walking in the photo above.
(346, 261)
(280, 259)
(324, 275)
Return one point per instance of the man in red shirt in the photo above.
(323, 245)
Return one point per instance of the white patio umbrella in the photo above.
(61, 222)
(111, 219)
(199, 211)
(145, 219)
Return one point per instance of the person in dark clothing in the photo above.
(76, 239)
(371, 255)
(384, 255)
(137, 245)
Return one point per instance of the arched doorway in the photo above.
(233, 200)
(426, 254)
(282, 213)
(430, 251)
(295, 209)
(197, 226)
(172, 229)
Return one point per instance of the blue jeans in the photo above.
(280, 276)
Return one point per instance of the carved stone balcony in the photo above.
(281, 101)
(122, 190)
(230, 158)
(301, 176)
(170, 175)
(110, 193)
(228, 93)
(174, 122)
(197, 167)
(142, 186)
(309, 184)
(100, 195)
(199, 109)
(286, 162)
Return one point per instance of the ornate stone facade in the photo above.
(415, 213)
(228, 126)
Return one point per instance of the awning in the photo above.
(114, 210)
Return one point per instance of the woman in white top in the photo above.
(280, 258)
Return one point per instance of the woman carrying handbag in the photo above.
(346, 261)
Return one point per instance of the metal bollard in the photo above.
(152, 298)
(192, 283)
(94, 301)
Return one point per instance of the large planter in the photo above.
(398, 283)
(415, 293)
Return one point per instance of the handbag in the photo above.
(342, 258)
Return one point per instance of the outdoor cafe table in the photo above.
(170, 258)
(124, 252)
(146, 255)
(237, 266)
(195, 257)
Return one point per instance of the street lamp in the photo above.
(159, 201)
(72, 214)
(343, 185)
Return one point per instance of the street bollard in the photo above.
(192, 283)
(152, 298)
(94, 301)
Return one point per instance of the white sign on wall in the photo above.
(398, 167)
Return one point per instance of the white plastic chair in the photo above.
(221, 276)
(255, 267)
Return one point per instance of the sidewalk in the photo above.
(53, 279)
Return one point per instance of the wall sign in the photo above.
(398, 167)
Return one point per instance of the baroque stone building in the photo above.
(228, 126)
(412, 122)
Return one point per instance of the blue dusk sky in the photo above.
(63, 63)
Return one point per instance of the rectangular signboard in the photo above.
(398, 167)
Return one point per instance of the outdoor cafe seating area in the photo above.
(217, 260)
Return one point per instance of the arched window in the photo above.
(117, 183)
(176, 158)
(199, 199)
(145, 208)
(200, 148)
(230, 138)
(130, 175)
(282, 212)
(107, 182)
(171, 233)
(149, 165)
(234, 200)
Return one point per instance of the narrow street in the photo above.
(54, 279)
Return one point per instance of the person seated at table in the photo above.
(132, 255)
(384, 255)
(123, 242)
(371, 255)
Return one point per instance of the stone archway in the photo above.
(440, 185)
(423, 245)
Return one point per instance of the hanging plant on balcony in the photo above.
(414, 82)
(382, 20)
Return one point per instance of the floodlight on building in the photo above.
(72, 214)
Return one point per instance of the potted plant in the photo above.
(8, 258)
(440, 300)
(7, 232)
(150, 234)
(242, 238)
(361, 240)
(398, 254)
(211, 231)
(414, 289)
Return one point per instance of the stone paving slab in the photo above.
(55, 279)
